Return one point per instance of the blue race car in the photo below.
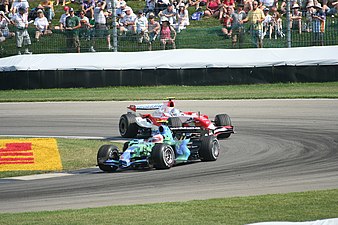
(166, 147)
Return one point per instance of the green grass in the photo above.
(254, 91)
(305, 206)
(75, 154)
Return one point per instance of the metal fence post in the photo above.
(288, 27)
(114, 23)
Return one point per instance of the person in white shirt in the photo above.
(101, 29)
(127, 23)
(63, 17)
(20, 20)
(141, 23)
(41, 25)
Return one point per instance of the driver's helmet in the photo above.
(158, 138)
(175, 112)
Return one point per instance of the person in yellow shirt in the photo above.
(256, 17)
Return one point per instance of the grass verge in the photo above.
(254, 91)
(305, 206)
(75, 154)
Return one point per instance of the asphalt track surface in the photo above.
(281, 146)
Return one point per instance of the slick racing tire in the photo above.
(127, 126)
(210, 149)
(107, 152)
(162, 156)
(223, 120)
(174, 122)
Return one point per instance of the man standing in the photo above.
(72, 31)
(101, 29)
(256, 17)
(237, 28)
(22, 37)
(318, 25)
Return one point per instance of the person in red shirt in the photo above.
(213, 8)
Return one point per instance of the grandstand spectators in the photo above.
(318, 25)
(127, 23)
(296, 18)
(88, 7)
(226, 21)
(141, 24)
(267, 23)
(4, 29)
(16, 4)
(182, 17)
(213, 8)
(101, 29)
(237, 36)
(62, 21)
(22, 36)
(87, 30)
(153, 30)
(72, 31)
(167, 34)
(42, 26)
(161, 5)
(256, 17)
(5, 6)
(48, 8)
(169, 14)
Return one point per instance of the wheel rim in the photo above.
(215, 149)
(168, 156)
(112, 155)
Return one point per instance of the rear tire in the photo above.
(210, 149)
(107, 152)
(127, 126)
(162, 156)
(174, 122)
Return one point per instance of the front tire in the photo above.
(162, 156)
(210, 149)
(127, 126)
(223, 120)
(107, 152)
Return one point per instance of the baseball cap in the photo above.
(39, 11)
(140, 12)
(71, 10)
(66, 8)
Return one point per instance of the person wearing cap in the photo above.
(72, 31)
(101, 29)
(4, 30)
(296, 18)
(255, 18)
(183, 18)
(41, 25)
(63, 17)
(120, 10)
(167, 34)
(169, 13)
(20, 21)
(127, 23)
(267, 23)
(141, 24)
(318, 25)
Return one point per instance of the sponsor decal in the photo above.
(29, 154)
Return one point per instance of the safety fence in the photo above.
(192, 37)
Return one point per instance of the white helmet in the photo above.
(175, 112)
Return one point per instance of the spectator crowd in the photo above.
(159, 20)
